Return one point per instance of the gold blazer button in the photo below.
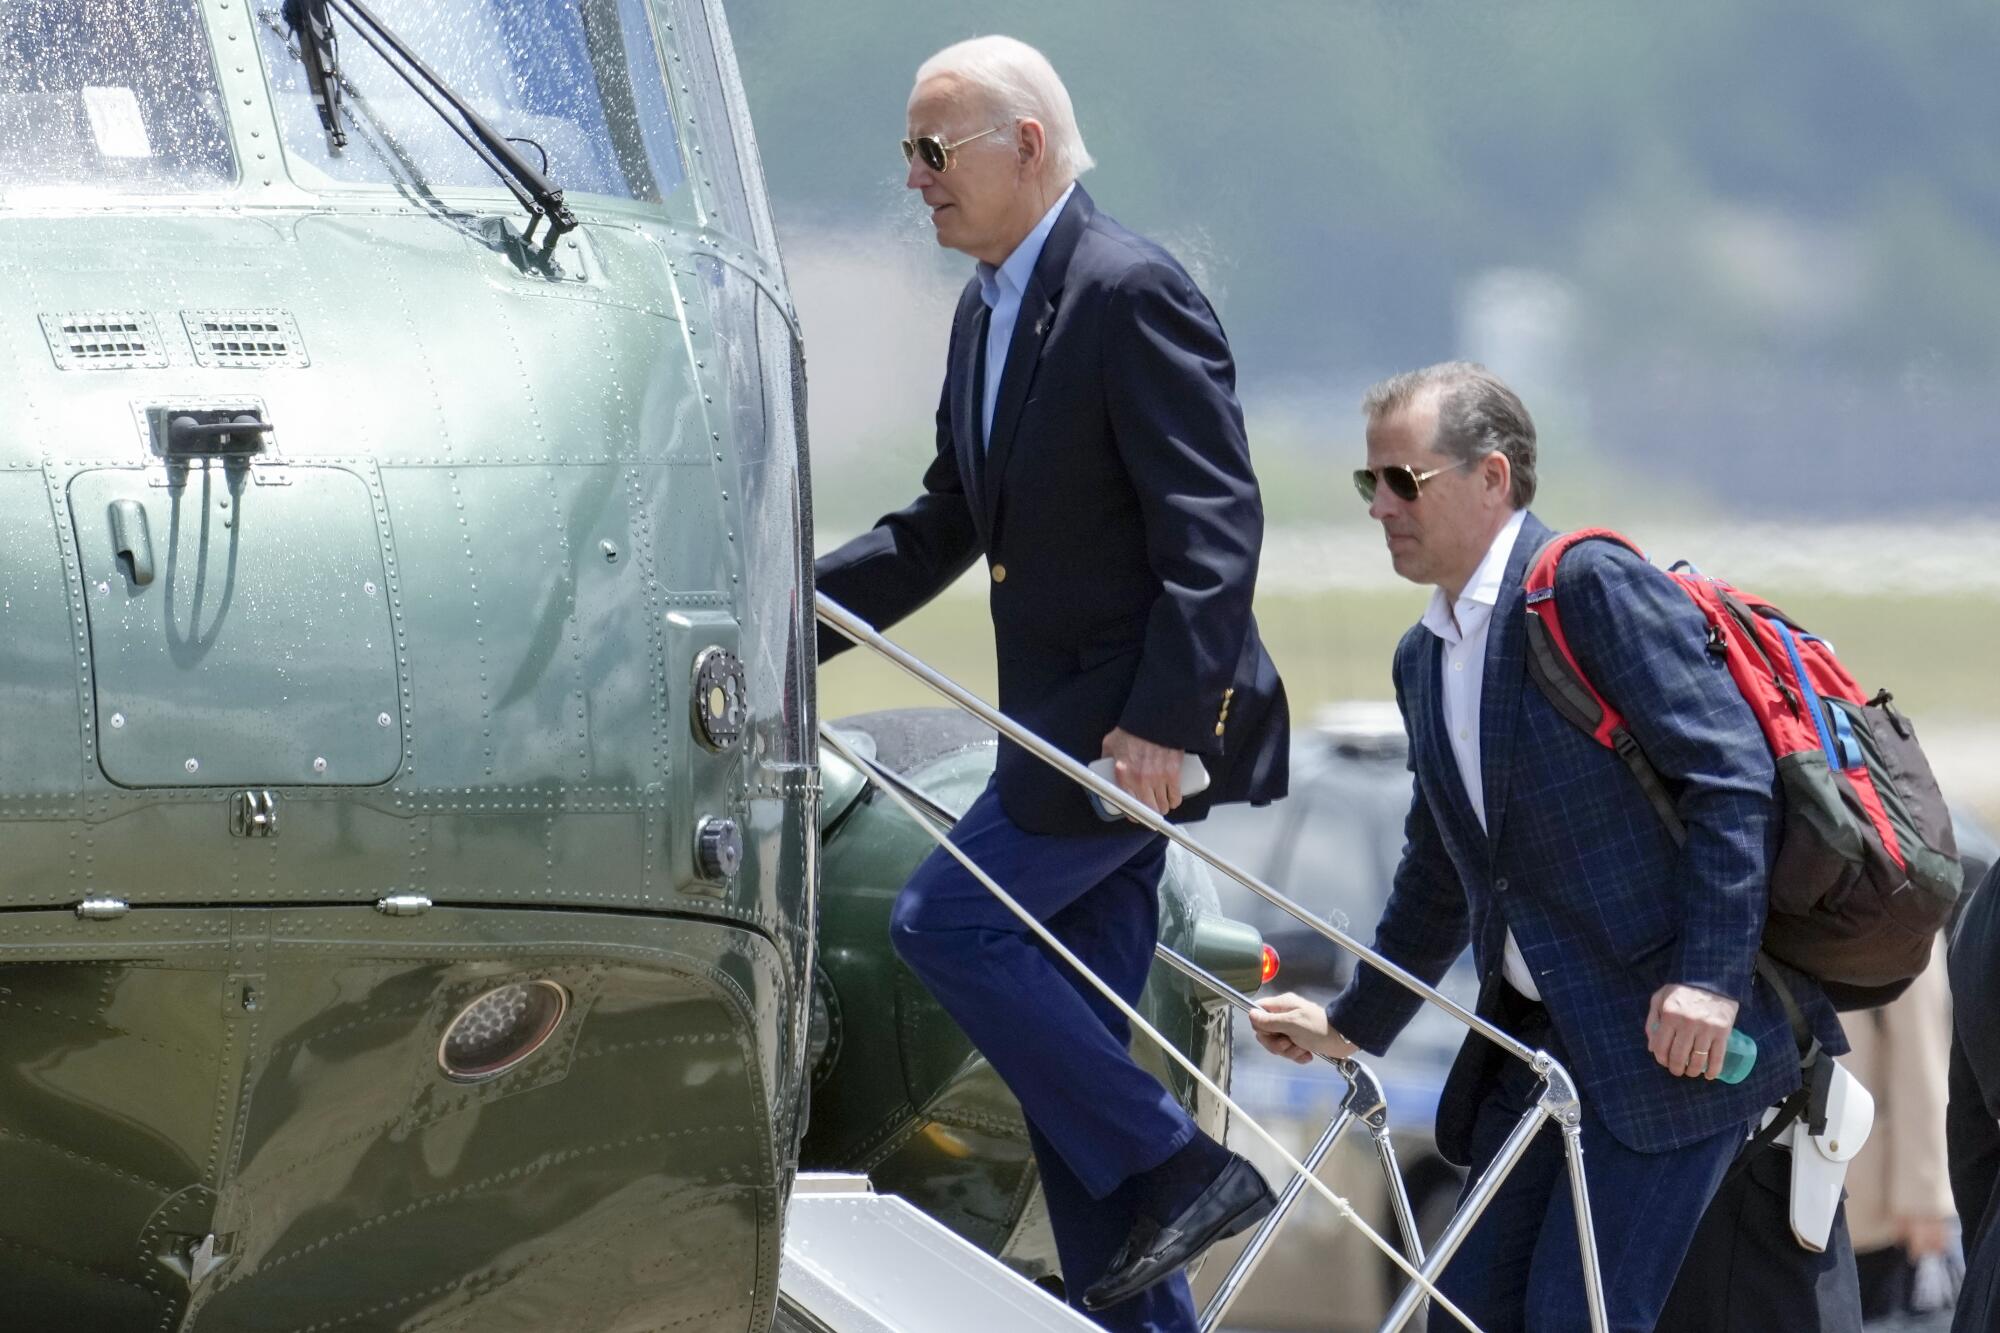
(999, 573)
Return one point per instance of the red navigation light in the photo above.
(1269, 968)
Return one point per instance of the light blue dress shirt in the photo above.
(1002, 288)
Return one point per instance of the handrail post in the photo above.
(1469, 1212)
(1253, 1253)
(1399, 1193)
(1363, 1101)
(1363, 1097)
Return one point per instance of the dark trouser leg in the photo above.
(1978, 1309)
(1074, 1077)
(1488, 1277)
(1089, 1231)
(1520, 1268)
(1645, 1207)
(1088, 1234)
(1096, 1117)
(1744, 1273)
(1885, 1277)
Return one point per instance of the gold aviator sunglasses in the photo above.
(936, 153)
(1404, 482)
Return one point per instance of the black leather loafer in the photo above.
(1236, 1201)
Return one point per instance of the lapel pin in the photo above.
(1041, 326)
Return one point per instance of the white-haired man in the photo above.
(1090, 445)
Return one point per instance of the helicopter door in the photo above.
(241, 626)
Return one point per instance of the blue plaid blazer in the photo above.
(1605, 908)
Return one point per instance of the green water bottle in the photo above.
(1740, 1058)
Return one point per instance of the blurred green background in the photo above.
(1742, 257)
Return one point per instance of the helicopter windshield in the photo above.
(114, 96)
(577, 83)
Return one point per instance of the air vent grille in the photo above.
(104, 340)
(256, 339)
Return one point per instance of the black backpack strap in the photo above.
(1808, 1101)
(1649, 782)
(1559, 680)
(1789, 1110)
(1809, 1048)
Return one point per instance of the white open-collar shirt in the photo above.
(1462, 625)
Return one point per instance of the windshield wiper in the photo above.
(311, 22)
(320, 54)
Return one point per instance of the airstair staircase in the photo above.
(860, 1262)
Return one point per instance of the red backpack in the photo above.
(1867, 871)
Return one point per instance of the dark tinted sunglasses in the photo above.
(1406, 484)
(936, 153)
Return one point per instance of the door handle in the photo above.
(131, 539)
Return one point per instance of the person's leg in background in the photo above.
(1885, 1276)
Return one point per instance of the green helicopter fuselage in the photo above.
(410, 824)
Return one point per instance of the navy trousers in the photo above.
(1745, 1273)
(1519, 1269)
(1096, 1119)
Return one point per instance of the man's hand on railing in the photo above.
(1296, 1028)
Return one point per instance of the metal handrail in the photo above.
(846, 623)
(1558, 1101)
(1140, 1024)
(1364, 1102)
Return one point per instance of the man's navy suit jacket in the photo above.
(1117, 509)
(1605, 907)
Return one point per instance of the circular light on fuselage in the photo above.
(500, 1029)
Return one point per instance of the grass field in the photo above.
(1938, 654)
